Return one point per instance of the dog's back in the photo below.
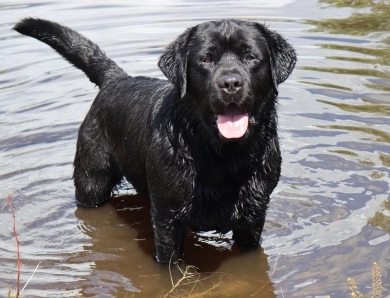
(119, 108)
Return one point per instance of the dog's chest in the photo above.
(212, 207)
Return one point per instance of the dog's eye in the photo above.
(207, 59)
(249, 57)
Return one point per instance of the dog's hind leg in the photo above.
(95, 170)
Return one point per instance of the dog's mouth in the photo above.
(233, 122)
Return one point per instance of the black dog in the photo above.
(202, 146)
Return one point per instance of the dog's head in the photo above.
(231, 68)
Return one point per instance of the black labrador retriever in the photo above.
(202, 146)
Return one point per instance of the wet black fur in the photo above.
(162, 135)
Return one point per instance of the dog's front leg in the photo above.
(250, 211)
(169, 189)
(247, 234)
(168, 237)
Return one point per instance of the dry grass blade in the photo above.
(354, 289)
(189, 277)
(376, 285)
(17, 246)
(18, 291)
(376, 281)
(30, 278)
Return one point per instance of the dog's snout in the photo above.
(230, 83)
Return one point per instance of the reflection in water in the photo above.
(119, 267)
(374, 108)
(382, 218)
(379, 135)
(348, 184)
(359, 23)
(328, 219)
(372, 61)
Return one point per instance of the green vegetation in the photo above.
(385, 158)
(379, 135)
(344, 152)
(368, 17)
(375, 175)
(370, 107)
(380, 219)
(326, 85)
(359, 23)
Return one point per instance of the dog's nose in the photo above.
(230, 83)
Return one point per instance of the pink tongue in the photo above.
(233, 123)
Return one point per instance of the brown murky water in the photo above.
(330, 215)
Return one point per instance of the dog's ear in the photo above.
(282, 54)
(173, 63)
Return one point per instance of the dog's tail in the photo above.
(74, 47)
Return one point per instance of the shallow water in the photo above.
(330, 215)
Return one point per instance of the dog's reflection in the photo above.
(119, 253)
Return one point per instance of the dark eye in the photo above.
(207, 59)
(249, 57)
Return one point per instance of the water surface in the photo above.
(329, 218)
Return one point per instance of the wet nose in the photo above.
(230, 83)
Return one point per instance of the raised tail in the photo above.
(74, 47)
